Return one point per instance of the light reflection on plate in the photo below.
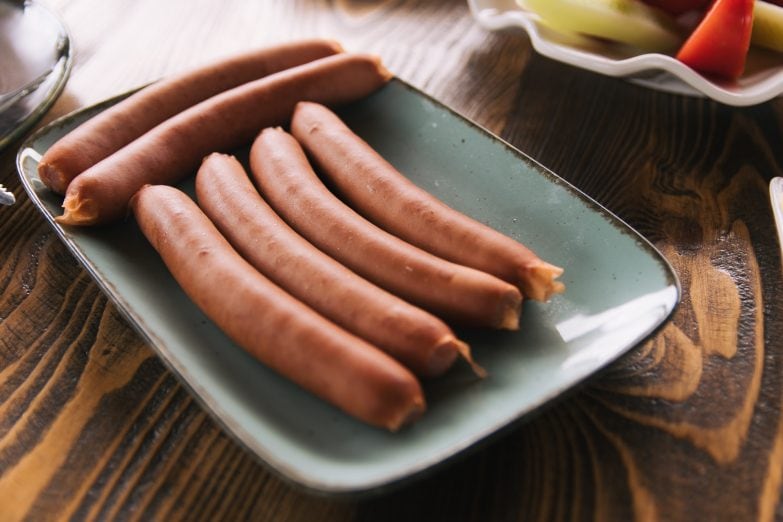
(762, 80)
(615, 326)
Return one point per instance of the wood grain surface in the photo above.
(688, 426)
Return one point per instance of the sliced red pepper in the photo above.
(719, 44)
(677, 7)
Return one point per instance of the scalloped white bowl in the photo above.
(761, 82)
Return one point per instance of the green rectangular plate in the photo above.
(619, 290)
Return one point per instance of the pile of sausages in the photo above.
(347, 293)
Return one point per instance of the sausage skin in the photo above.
(287, 181)
(419, 340)
(390, 200)
(122, 123)
(173, 149)
(269, 323)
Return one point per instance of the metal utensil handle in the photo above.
(776, 198)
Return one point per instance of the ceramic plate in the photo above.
(35, 60)
(619, 291)
(762, 81)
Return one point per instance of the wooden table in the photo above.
(688, 426)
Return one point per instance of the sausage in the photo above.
(286, 180)
(269, 323)
(173, 149)
(414, 337)
(122, 123)
(383, 195)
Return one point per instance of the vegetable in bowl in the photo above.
(713, 38)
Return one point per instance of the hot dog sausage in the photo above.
(289, 184)
(390, 200)
(173, 149)
(122, 123)
(414, 337)
(276, 328)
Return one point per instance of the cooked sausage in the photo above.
(379, 192)
(452, 291)
(269, 323)
(173, 149)
(122, 123)
(419, 340)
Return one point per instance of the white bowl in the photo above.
(762, 80)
